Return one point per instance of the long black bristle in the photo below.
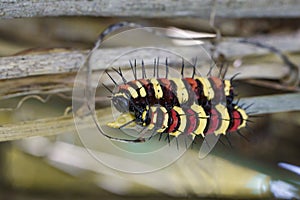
(154, 66)
(120, 74)
(210, 70)
(135, 67)
(247, 107)
(111, 78)
(228, 140)
(251, 130)
(256, 116)
(220, 140)
(234, 76)
(194, 68)
(240, 134)
(107, 88)
(157, 69)
(160, 136)
(132, 69)
(167, 68)
(143, 70)
(168, 138)
(182, 68)
(248, 120)
(126, 124)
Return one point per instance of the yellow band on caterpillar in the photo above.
(224, 120)
(182, 93)
(227, 86)
(207, 89)
(155, 115)
(166, 118)
(244, 116)
(142, 90)
(202, 117)
(157, 88)
(182, 121)
(121, 94)
(144, 114)
(133, 92)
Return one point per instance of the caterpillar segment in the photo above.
(183, 91)
(238, 118)
(219, 120)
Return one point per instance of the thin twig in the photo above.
(149, 9)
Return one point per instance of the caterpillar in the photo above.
(178, 106)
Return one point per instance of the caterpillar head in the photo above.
(121, 102)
